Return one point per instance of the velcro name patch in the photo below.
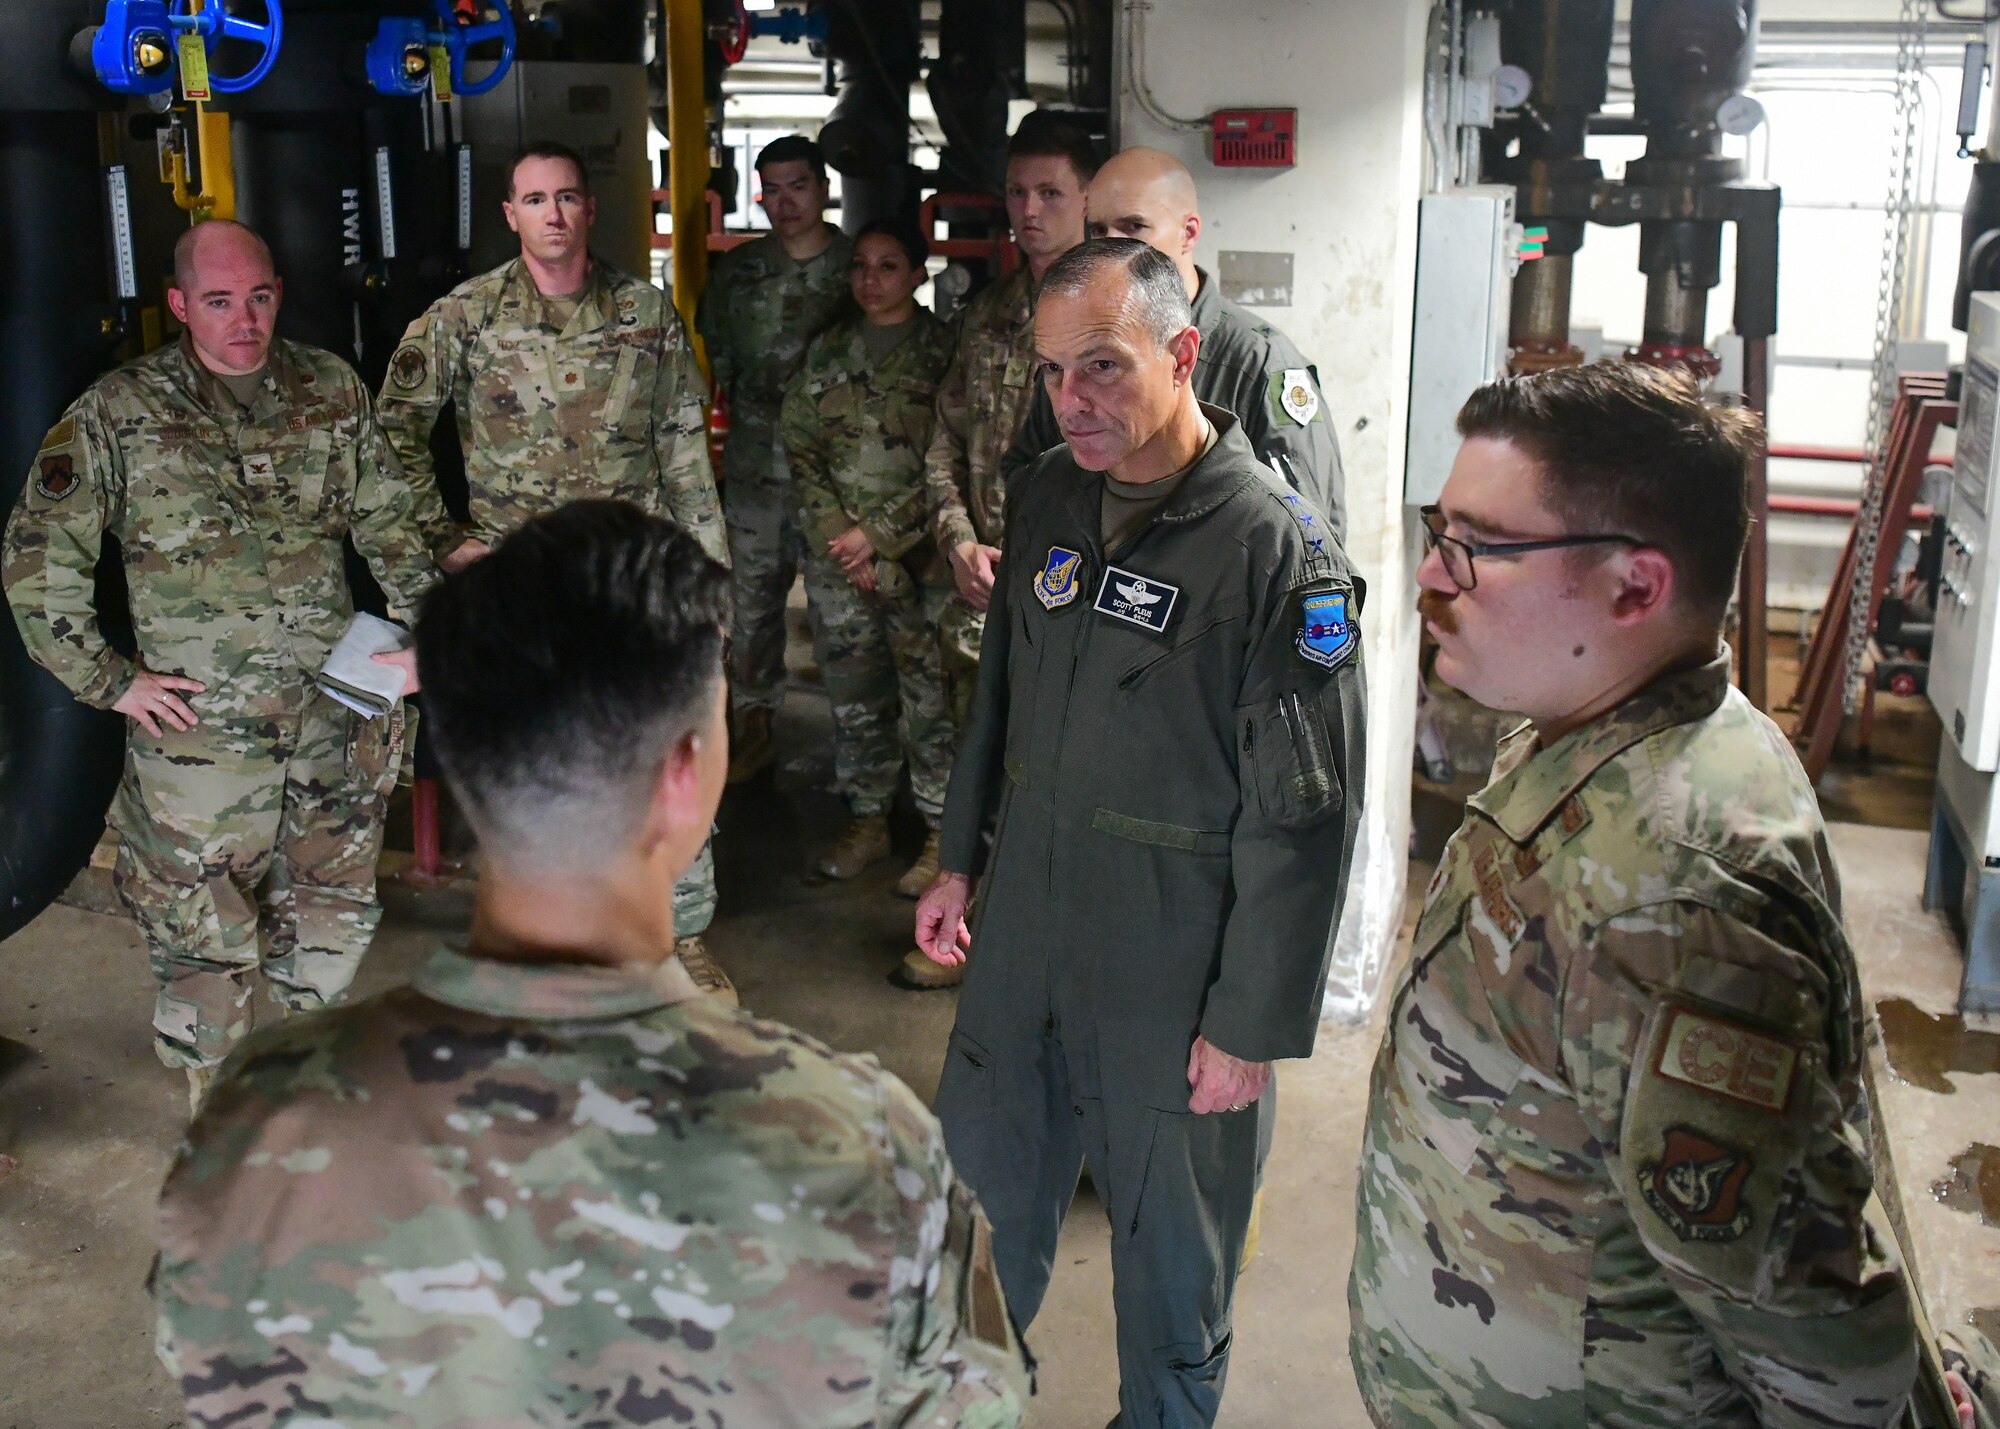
(1704, 1051)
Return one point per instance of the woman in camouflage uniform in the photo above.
(857, 421)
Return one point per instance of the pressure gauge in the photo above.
(1511, 87)
(1739, 114)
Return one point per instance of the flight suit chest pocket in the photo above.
(1286, 753)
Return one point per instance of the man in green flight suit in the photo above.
(569, 379)
(1616, 1166)
(764, 302)
(1168, 728)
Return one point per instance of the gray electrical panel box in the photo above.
(599, 111)
(1467, 253)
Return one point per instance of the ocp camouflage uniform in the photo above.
(980, 407)
(758, 313)
(605, 404)
(856, 428)
(230, 521)
(1616, 1166)
(511, 1195)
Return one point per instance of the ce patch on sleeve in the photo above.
(1327, 636)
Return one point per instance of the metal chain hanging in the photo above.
(1898, 210)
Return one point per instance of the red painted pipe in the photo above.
(428, 859)
(1808, 453)
(1831, 506)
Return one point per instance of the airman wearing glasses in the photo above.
(1617, 1155)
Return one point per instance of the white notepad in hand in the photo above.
(354, 677)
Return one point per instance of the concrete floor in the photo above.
(88, 1119)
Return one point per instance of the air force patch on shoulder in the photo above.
(1056, 585)
(1297, 397)
(1326, 636)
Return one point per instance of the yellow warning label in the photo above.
(441, 74)
(194, 67)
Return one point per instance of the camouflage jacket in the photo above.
(980, 408)
(757, 314)
(510, 1195)
(856, 433)
(607, 405)
(230, 521)
(1616, 1166)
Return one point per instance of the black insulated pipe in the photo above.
(876, 54)
(59, 760)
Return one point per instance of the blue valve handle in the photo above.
(460, 38)
(208, 22)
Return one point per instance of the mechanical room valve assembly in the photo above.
(144, 45)
(410, 54)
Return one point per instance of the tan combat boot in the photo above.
(913, 883)
(862, 842)
(707, 974)
(919, 974)
(199, 1081)
(752, 750)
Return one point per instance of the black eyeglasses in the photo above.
(1457, 554)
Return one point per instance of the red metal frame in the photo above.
(999, 248)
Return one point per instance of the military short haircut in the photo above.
(561, 670)
(205, 232)
(549, 149)
(1157, 293)
(1042, 134)
(1636, 451)
(792, 149)
(907, 235)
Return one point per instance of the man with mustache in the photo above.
(1168, 730)
(1616, 1166)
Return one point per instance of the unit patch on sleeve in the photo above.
(409, 367)
(1326, 636)
(1056, 584)
(57, 478)
(1296, 395)
(1136, 599)
(1702, 1050)
(1696, 1187)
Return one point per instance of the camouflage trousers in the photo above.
(959, 628)
(760, 510)
(879, 655)
(694, 895)
(240, 827)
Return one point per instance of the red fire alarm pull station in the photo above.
(1254, 138)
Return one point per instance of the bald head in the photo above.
(225, 292)
(1148, 195)
(219, 238)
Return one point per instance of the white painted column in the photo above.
(1347, 213)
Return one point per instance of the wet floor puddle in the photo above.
(1922, 1046)
(1974, 1183)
